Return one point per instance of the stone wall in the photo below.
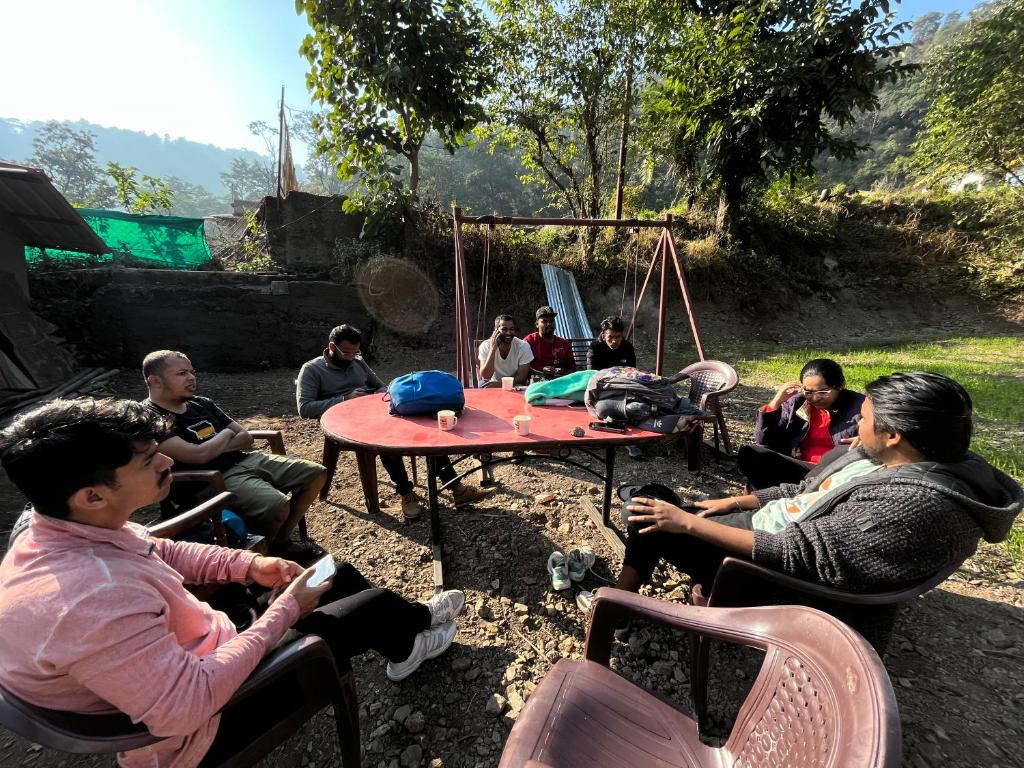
(222, 320)
(302, 229)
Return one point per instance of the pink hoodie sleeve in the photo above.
(204, 563)
(122, 649)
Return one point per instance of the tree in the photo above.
(563, 73)
(249, 179)
(763, 88)
(977, 120)
(68, 158)
(193, 200)
(389, 73)
(146, 194)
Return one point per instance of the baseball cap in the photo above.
(545, 311)
(650, 491)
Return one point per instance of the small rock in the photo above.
(402, 713)
(416, 722)
(496, 705)
(520, 609)
(997, 639)
(544, 498)
(472, 674)
(460, 664)
(411, 756)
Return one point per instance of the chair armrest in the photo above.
(736, 625)
(703, 405)
(274, 438)
(177, 525)
(287, 660)
(734, 575)
(211, 476)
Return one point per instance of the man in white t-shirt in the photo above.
(504, 355)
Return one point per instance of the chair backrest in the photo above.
(70, 732)
(579, 353)
(822, 698)
(710, 377)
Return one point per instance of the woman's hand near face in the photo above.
(786, 391)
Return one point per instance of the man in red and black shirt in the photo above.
(552, 355)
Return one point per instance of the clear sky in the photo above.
(195, 69)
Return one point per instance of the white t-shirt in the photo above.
(518, 354)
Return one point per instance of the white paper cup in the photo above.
(447, 420)
(507, 382)
(521, 424)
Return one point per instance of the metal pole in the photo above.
(686, 297)
(643, 290)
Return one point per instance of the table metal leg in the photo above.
(609, 478)
(367, 463)
(435, 523)
(329, 458)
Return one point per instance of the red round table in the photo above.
(364, 426)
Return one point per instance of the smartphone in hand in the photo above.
(323, 569)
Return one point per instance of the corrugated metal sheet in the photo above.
(32, 210)
(571, 321)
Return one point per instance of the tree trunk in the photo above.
(624, 137)
(414, 171)
(730, 200)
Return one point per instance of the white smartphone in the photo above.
(323, 569)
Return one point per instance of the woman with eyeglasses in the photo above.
(805, 420)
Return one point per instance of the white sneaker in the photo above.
(428, 644)
(558, 568)
(445, 606)
(585, 600)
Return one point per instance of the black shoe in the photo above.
(302, 552)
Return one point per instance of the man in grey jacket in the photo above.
(339, 374)
(922, 510)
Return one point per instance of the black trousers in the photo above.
(353, 617)
(765, 468)
(694, 556)
(395, 467)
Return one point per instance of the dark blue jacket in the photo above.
(784, 429)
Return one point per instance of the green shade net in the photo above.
(170, 242)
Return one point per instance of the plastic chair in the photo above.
(743, 583)
(307, 662)
(822, 698)
(709, 381)
(211, 478)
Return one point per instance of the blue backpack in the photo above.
(425, 392)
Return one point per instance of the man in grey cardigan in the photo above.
(921, 509)
(339, 374)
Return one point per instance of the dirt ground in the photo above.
(955, 659)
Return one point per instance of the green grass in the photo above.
(991, 369)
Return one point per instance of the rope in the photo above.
(484, 278)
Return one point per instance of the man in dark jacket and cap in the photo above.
(905, 502)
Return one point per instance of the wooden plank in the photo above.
(610, 534)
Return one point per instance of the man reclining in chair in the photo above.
(273, 492)
(901, 505)
(340, 374)
(95, 615)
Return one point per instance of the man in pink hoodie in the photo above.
(103, 618)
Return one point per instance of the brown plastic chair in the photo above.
(171, 506)
(709, 381)
(743, 583)
(822, 698)
(307, 663)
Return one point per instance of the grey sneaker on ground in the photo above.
(428, 644)
(445, 606)
(558, 568)
(585, 600)
(580, 561)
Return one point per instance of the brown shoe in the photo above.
(412, 507)
(471, 493)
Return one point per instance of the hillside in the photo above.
(162, 156)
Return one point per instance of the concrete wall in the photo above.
(222, 320)
(302, 229)
(12, 260)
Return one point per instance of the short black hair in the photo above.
(346, 332)
(154, 363)
(612, 323)
(931, 411)
(503, 319)
(829, 370)
(58, 448)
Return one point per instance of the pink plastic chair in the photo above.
(822, 698)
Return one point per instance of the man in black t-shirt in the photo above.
(273, 492)
(611, 348)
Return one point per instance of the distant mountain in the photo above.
(154, 155)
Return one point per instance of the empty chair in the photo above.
(822, 698)
(710, 380)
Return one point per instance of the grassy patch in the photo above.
(990, 368)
